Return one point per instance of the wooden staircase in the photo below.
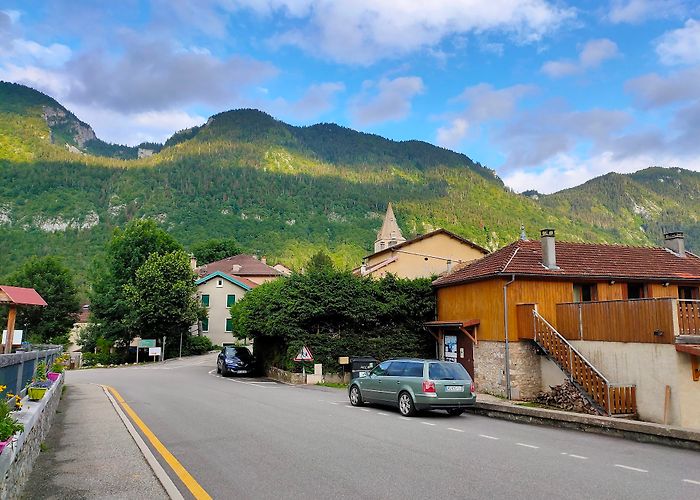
(609, 399)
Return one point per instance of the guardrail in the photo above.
(688, 317)
(17, 369)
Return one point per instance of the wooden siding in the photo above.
(689, 317)
(606, 291)
(482, 300)
(618, 321)
(546, 294)
(526, 321)
(657, 290)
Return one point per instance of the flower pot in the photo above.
(36, 393)
(5, 443)
(53, 377)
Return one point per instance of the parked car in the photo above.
(236, 361)
(415, 384)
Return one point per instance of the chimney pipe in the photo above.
(549, 252)
(263, 259)
(675, 242)
(193, 262)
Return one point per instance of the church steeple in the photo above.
(390, 233)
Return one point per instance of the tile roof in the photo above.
(239, 265)
(428, 235)
(21, 296)
(238, 280)
(580, 261)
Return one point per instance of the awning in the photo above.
(20, 296)
(694, 351)
(438, 326)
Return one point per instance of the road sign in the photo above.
(304, 355)
(147, 343)
(154, 351)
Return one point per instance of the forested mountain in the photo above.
(285, 191)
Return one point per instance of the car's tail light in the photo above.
(472, 389)
(428, 386)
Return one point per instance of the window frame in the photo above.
(228, 297)
(205, 324)
(208, 299)
(229, 325)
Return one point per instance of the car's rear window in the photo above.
(447, 371)
(413, 369)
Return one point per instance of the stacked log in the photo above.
(566, 397)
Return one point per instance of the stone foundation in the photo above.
(525, 372)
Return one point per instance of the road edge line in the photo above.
(158, 470)
(190, 482)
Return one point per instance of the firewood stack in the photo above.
(566, 397)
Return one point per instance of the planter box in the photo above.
(52, 376)
(36, 393)
(5, 443)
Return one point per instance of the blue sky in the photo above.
(547, 93)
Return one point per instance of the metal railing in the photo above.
(612, 399)
(17, 369)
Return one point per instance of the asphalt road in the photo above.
(251, 438)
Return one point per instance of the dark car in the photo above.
(415, 384)
(234, 360)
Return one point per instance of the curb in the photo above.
(165, 481)
(645, 432)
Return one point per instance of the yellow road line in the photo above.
(195, 488)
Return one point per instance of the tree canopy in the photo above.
(215, 249)
(54, 282)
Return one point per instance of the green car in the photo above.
(414, 385)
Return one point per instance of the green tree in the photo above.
(127, 251)
(215, 249)
(54, 282)
(319, 262)
(161, 298)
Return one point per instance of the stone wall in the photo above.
(525, 372)
(284, 376)
(17, 459)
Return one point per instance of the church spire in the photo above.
(390, 233)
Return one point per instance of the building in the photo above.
(427, 255)
(224, 282)
(621, 322)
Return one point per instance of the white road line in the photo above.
(405, 418)
(349, 406)
(427, 423)
(364, 409)
(691, 481)
(333, 402)
(488, 437)
(382, 414)
(630, 468)
(453, 429)
(528, 445)
(578, 456)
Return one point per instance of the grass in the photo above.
(43, 447)
(335, 385)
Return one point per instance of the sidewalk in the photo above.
(636, 430)
(90, 454)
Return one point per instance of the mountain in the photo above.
(283, 191)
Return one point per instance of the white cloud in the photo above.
(392, 100)
(654, 91)
(637, 11)
(316, 100)
(681, 46)
(365, 31)
(592, 55)
(452, 134)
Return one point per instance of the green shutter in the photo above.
(230, 300)
(205, 300)
(205, 325)
(229, 325)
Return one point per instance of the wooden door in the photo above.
(465, 352)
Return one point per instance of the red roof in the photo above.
(21, 296)
(580, 261)
(239, 265)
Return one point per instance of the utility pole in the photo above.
(180, 344)
(162, 354)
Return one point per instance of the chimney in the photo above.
(263, 259)
(675, 242)
(549, 252)
(193, 262)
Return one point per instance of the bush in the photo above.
(198, 344)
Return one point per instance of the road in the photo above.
(253, 438)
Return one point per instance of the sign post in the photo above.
(144, 343)
(304, 355)
(154, 351)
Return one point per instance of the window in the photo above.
(636, 290)
(205, 325)
(413, 369)
(688, 292)
(396, 369)
(381, 369)
(205, 300)
(229, 325)
(447, 371)
(241, 353)
(584, 292)
(230, 300)
(219, 283)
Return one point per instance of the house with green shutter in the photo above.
(224, 282)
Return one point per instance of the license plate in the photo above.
(454, 388)
(363, 374)
(241, 371)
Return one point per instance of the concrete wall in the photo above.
(650, 367)
(218, 311)
(17, 459)
(420, 259)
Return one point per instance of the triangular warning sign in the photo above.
(304, 355)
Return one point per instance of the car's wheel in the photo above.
(223, 370)
(406, 406)
(218, 368)
(356, 396)
(455, 412)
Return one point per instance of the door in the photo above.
(465, 352)
(372, 386)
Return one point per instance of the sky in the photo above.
(547, 93)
